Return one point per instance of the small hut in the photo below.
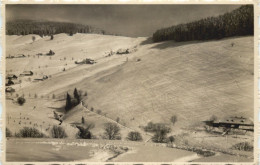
(51, 53)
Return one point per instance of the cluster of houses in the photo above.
(12, 79)
(50, 53)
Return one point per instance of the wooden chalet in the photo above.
(233, 123)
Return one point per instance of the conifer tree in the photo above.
(68, 103)
(83, 120)
(76, 95)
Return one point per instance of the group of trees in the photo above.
(47, 28)
(239, 22)
(160, 131)
(111, 132)
(31, 132)
(72, 102)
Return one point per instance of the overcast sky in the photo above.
(128, 20)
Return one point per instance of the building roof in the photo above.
(235, 120)
(25, 72)
(11, 75)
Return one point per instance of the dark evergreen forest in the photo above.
(239, 22)
(43, 28)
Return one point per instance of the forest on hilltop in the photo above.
(43, 28)
(239, 22)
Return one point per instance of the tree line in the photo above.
(47, 28)
(238, 22)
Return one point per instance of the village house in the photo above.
(232, 123)
(26, 73)
(10, 56)
(11, 76)
(123, 51)
(41, 79)
(85, 61)
(236, 123)
(20, 56)
(9, 82)
(50, 53)
(9, 89)
(90, 61)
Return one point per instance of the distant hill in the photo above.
(239, 22)
(25, 27)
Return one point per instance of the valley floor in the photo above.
(60, 150)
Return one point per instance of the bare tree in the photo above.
(112, 131)
(134, 136)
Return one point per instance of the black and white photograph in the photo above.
(130, 83)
